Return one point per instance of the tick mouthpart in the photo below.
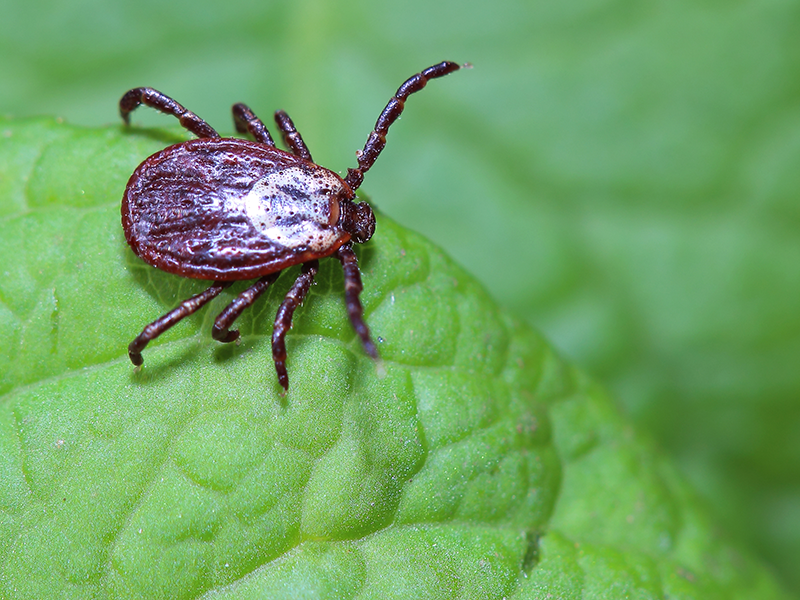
(358, 220)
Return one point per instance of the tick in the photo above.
(230, 209)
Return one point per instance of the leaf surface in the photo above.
(480, 466)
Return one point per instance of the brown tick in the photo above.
(228, 209)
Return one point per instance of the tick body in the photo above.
(230, 209)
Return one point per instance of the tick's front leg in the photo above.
(352, 290)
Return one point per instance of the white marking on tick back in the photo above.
(293, 208)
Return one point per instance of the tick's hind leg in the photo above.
(291, 137)
(159, 326)
(283, 320)
(246, 121)
(220, 331)
(352, 290)
(165, 104)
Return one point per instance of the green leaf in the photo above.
(623, 175)
(480, 466)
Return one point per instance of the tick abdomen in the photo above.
(228, 209)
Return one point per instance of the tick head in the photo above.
(357, 219)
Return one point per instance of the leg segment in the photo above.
(159, 326)
(220, 331)
(377, 139)
(291, 137)
(283, 320)
(246, 121)
(352, 289)
(165, 104)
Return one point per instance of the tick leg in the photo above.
(283, 320)
(352, 289)
(377, 139)
(159, 326)
(165, 104)
(291, 137)
(246, 121)
(221, 331)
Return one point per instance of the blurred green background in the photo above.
(624, 175)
